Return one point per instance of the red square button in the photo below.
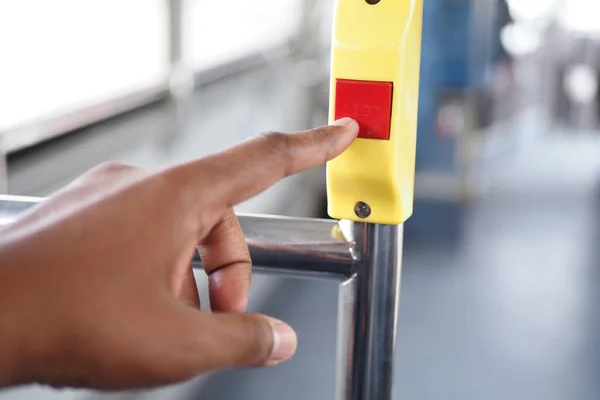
(369, 103)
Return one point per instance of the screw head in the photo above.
(362, 210)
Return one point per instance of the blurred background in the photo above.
(501, 281)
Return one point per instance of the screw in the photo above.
(362, 210)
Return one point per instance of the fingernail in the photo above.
(285, 342)
(344, 122)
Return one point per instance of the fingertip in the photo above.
(343, 134)
(350, 127)
(285, 342)
(346, 122)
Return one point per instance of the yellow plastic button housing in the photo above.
(377, 45)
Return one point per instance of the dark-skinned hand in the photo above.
(96, 287)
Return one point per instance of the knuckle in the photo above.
(166, 185)
(260, 339)
(280, 146)
(319, 143)
(276, 141)
(320, 133)
(112, 167)
(167, 188)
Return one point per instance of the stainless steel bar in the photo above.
(290, 246)
(11, 207)
(367, 315)
(3, 172)
(298, 246)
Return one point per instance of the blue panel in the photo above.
(432, 152)
(454, 43)
(459, 42)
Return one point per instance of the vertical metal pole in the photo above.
(181, 74)
(181, 79)
(306, 53)
(3, 169)
(175, 31)
(367, 315)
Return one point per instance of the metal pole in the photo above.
(181, 74)
(365, 257)
(278, 245)
(367, 315)
(176, 8)
(3, 173)
(3, 167)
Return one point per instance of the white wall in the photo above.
(59, 56)
(62, 55)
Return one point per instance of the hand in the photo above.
(96, 288)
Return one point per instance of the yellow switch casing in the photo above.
(377, 42)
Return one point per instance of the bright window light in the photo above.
(61, 56)
(581, 16)
(529, 10)
(520, 39)
(224, 31)
(581, 83)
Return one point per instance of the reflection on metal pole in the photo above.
(367, 315)
(3, 172)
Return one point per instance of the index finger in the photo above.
(243, 171)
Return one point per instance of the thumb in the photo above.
(223, 341)
(249, 340)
